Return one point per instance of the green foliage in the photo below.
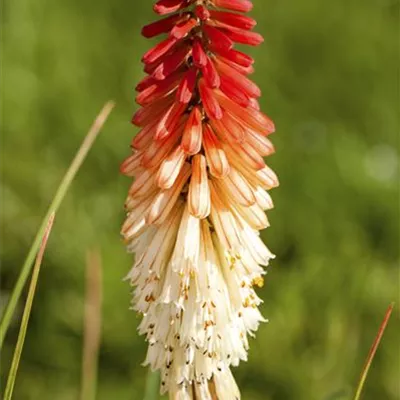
(328, 71)
(27, 311)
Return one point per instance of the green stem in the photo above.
(55, 204)
(152, 386)
(27, 312)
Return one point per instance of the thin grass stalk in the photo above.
(152, 386)
(55, 204)
(92, 325)
(372, 352)
(27, 311)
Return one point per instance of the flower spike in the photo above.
(196, 204)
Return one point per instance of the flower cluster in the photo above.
(196, 205)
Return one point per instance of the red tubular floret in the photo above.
(234, 55)
(241, 35)
(183, 28)
(238, 80)
(162, 26)
(158, 89)
(210, 74)
(235, 20)
(250, 116)
(199, 55)
(218, 38)
(234, 5)
(159, 50)
(202, 12)
(233, 92)
(187, 86)
(171, 63)
(169, 6)
(210, 103)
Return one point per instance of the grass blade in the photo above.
(152, 385)
(372, 352)
(27, 311)
(92, 325)
(55, 204)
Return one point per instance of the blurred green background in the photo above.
(329, 74)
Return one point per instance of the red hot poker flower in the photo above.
(198, 197)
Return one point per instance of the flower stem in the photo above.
(55, 204)
(372, 352)
(27, 311)
(152, 385)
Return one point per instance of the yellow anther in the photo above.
(258, 281)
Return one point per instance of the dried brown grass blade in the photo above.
(92, 325)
